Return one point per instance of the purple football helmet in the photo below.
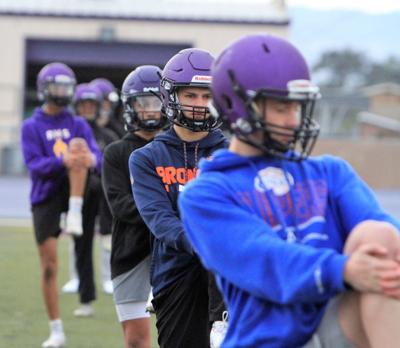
(263, 66)
(107, 88)
(190, 67)
(55, 84)
(110, 95)
(142, 88)
(86, 91)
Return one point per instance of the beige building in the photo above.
(382, 119)
(108, 38)
(374, 149)
(384, 99)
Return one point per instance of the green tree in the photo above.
(347, 69)
(342, 69)
(387, 71)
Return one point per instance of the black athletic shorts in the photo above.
(46, 215)
(182, 312)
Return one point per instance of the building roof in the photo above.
(231, 11)
(379, 121)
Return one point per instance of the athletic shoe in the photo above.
(149, 305)
(218, 331)
(71, 287)
(85, 310)
(108, 287)
(56, 340)
(73, 224)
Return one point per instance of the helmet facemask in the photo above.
(290, 143)
(87, 102)
(60, 91)
(141, 99)
(88, 108)
(56, 84)
(189, 68)
(143, 112)
(194, 118)
(264, 67)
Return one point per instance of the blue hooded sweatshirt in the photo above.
(273, 232)
(44, 140)
(159, 172)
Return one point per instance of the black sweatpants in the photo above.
(84, 243)
(182, 312)
(105, 216)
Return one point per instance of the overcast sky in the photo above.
(371, 6)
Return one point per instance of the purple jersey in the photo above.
(44, 140)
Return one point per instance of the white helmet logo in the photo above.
(201, 79)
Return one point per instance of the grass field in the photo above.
(23, 321)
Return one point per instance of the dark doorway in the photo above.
(92, 59)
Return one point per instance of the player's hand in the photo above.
(79, 155)
(77, 145)
(390, 283)
(71, 160)
(368, 269)
(86, 159)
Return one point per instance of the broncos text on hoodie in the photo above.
(159, 172)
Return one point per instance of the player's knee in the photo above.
(372, 231)
(49, 270)
(138, 339)
(138, 342)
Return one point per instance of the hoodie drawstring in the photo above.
(196, 159)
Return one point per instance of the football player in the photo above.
(160, 171)
(59, 149)
(130, 257)
(303, 252)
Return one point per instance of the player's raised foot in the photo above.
(55, 340)
(218, 331)
(73, 224)
(71, 287)
(84, 310)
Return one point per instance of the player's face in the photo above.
(106, 108)
(193, 101)
(147, 107)
(281, 116)
(87, 109)
(61, 90)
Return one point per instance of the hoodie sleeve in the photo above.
(36, 161)
(153, 203)
(116, 185)
(243, 249)
(354, 201)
